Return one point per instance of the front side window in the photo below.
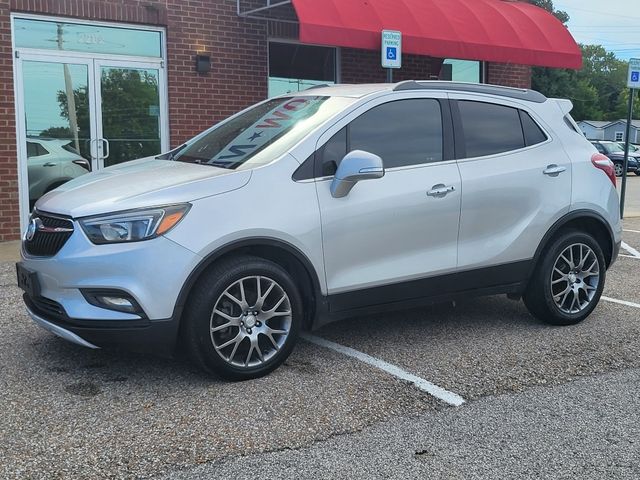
(490, 129)
(404, 132)
(261, 134)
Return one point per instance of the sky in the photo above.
(615, 24)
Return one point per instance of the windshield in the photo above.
(613, 147)
(261, 134)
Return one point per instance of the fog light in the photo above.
(116, 302)
(112, 300)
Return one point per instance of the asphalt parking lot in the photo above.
(539, 401)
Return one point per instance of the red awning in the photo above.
(489, 30)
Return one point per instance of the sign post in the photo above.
(391, 52)
(633, 82)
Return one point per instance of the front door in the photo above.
(87, 97)
(59, 128)
(388, 235)
(130, 124)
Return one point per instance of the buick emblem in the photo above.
(31, 229)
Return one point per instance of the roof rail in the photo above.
(518, 93)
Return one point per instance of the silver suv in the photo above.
(331, 203)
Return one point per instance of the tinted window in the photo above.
(405, 132)
(35, 150)
(533, 134)
(600, 148)
(490, 129)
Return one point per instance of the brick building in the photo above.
(85, 84)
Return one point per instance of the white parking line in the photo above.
(628, 256)
(632, 231)
(631, 250)
(424, 385)
(621, 302)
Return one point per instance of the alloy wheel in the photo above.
(618, 169)
(575, 278)
(251, 321)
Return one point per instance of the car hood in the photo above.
(620, 155)
(140, 183)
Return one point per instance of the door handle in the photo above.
(440, 190)
(49, 164)
(553, 170)
(106, 148)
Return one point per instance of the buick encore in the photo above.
(324, 204)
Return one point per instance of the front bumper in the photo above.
(151, 272)
(147, 336)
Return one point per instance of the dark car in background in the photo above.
(615, 152)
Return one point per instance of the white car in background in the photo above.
(50, 163)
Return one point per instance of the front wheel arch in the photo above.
(277, 251)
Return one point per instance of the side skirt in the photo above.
(510, 278)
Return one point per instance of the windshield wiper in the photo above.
(172, 154)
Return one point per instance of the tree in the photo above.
(130, 114)
(548, 5)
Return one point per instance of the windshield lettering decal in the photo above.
(237, 151)
(268, 128)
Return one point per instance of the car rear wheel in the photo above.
(568, 281)
(243, 318)
(618, 168)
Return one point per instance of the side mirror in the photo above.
(354, 167)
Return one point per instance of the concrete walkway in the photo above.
(10, 251)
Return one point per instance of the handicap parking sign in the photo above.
(633, 80)
(392, 53)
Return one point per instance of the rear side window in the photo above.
(533, 134)
(490, 129)
(404, 132)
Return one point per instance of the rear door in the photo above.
(390, 231)
(516, 182)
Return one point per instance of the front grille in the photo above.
(46, 307)
(48, 243)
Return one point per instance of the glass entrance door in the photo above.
(82, 115)
(129, 111)
(57, 107)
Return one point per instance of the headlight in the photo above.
(133, 225)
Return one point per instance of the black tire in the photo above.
(197, 337)
(619, 167)
(637, 172)
(539, 297)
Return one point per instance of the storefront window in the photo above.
(464, 70)
(47, 35)
(294, 67)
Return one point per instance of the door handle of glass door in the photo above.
(106, 149)
(92, 151)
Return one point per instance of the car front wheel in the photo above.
(568, 281)
(243, 318)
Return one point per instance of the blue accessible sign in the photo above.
(391, 49)
(634, 73)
